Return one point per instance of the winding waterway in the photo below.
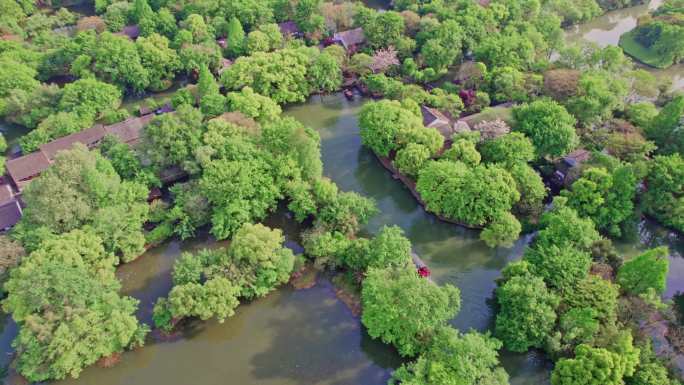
(308, 336)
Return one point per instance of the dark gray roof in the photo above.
(288, 28)
(577, 157)
(350, 38)
(10, 214)
(431, 115)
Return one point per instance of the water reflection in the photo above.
(289, 337)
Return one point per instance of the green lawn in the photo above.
(639, 52)
(489, 114)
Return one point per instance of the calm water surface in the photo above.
(607, 29)
(307, 336)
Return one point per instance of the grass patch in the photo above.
(643, 54)
(491, 113)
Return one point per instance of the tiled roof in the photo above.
(6, 192)
(90, 137)
(10, 214)
(431, 115)
(288, 28)
(350, 38)
(27, 166)
(129, 130)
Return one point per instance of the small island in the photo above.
(658, 39)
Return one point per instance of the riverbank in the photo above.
(410, 184)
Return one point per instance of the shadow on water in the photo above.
(319, 342)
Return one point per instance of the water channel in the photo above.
(308, 336)
(607, 29)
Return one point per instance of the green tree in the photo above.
(606, 198)
(666, 128)
(653, 373)
(564, 228)
(258, 252)
(258, 107)
(641, 114)
(141, 10)
(257, 41)
(170, 139)
(646, 271)
(527, 312)
(382, 121)
(410, 159)
(217, 297)
(388, 248)
(452, 359)
(549, 125)
(463, 150)
(236, 38)
(116, 60)
(595, 293)
(561, 268)
(503, 231)
(64, 297)
(325, 73)
(531, 188)
(16, 75)
(383, 29)
(82, 188)
(475, 196)
(599, 93)
(388, 293)
(212, 103)
(509, 84)
(664, 195)
(282, 75)
(89, 98)
(161, 61)
(594, 366)
(508, 149)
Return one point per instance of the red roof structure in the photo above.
(90, 137)
(26, 167)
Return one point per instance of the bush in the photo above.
(646, 271)
(411, 159)
(503, 231)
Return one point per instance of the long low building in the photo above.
(23, 169)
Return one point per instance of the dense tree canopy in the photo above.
(452, 358)
(644, 272)
(65, 298)
(528, 312)
(386, 295)
(548, 125)
(82, 188)
(664, 196)
(605, 197)
(475, 196)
